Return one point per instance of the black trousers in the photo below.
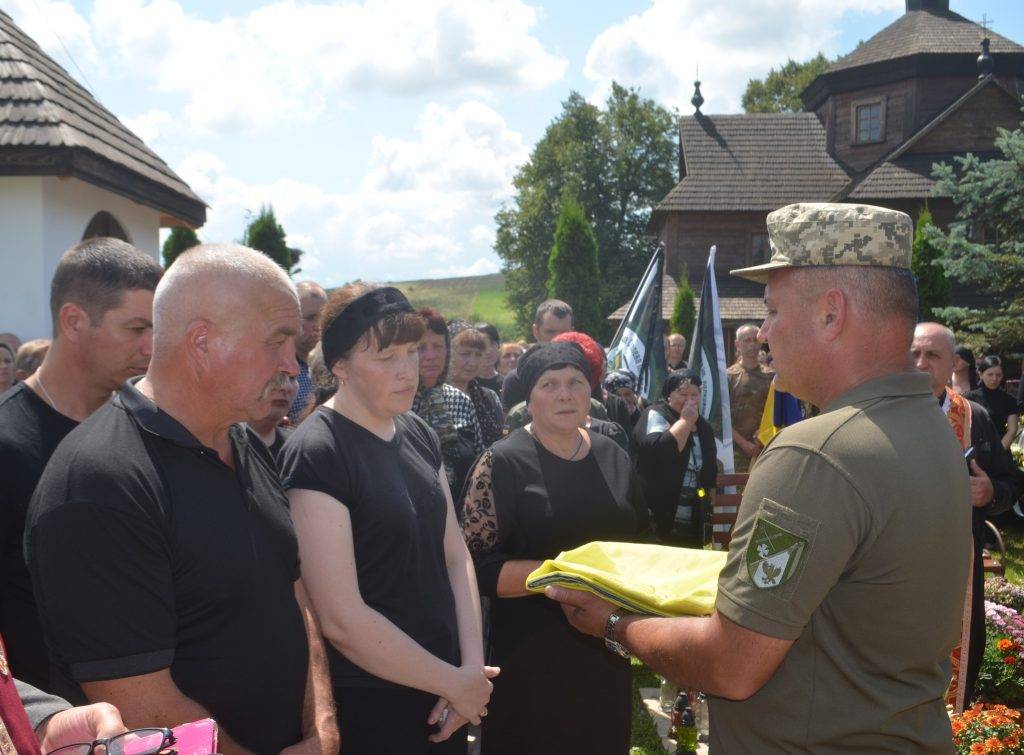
(390, 721)
(976, 650)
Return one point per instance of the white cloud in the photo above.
(148, 126)
(53, 22)
(482, 266)
(424, 207)
(659, 49)
(286, 60)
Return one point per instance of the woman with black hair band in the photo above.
(1001, 406)
(548, 487)
(677, 461)
(382, 554)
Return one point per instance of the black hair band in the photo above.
(358, 317)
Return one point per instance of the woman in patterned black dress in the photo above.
(546, 488)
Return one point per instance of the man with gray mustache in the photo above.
(159, 540)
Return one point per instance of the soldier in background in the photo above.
(748, 390)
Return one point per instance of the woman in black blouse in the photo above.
(1001, 406)
(382, 554)
(677, 461)
(549, 487)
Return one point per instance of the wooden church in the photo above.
(931, 86)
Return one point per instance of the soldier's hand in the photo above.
(981, 486)
(585, 612)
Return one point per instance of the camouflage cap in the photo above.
(819, 234)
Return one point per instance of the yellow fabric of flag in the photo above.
(650, 579)
(767, 429)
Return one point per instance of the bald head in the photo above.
(225, 318)
(223, 284)
(932, 351)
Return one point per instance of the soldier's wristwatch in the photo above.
(609, 636)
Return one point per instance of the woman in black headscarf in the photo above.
(677, 461)
(548, 487)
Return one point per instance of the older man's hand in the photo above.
(982, 490)
(585, 612)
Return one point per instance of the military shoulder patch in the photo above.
(773, 554)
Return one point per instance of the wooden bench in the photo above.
(724, 508)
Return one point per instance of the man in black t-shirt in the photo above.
(101, 300)
(159, 539)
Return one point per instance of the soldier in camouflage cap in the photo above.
(822, 234)
(842, 594)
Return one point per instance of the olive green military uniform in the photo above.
(853, 540)
(748, 391)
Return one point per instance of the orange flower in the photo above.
(1011, 712)
(1004, 644)
(993, 745)
(958, 726)
(978, 749)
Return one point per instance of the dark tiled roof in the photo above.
(907, 177)
(51, 124)
(924, 32)
(757, 161)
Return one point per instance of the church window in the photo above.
(760, 249)
(869, 122)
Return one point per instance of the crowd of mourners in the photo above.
(310, 515)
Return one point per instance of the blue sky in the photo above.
(386, 132)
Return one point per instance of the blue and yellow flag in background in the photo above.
(781, 410)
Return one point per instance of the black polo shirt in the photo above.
(30, 430)
(148, 552)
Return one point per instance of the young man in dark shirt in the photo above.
(159, 539)
(101, 300)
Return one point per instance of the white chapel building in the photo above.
(69, 170)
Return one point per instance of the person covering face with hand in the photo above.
(677, 461)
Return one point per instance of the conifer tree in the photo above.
(573, 273)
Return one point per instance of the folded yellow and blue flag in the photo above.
(650, 579)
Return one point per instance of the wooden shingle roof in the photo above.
(756, 161)
(924, 32)
(51, 125)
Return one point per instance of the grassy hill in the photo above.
(475, 298)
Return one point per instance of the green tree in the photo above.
(779, 91)
(618, 161)
(177, 242)
(573, 272)
(265, 234)
(984, 247)
(684, 314)
(932, 285)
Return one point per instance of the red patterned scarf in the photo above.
(959, 414)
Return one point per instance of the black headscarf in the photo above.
(549, 356)
(676, 378)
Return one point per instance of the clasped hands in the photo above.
(466, 701)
